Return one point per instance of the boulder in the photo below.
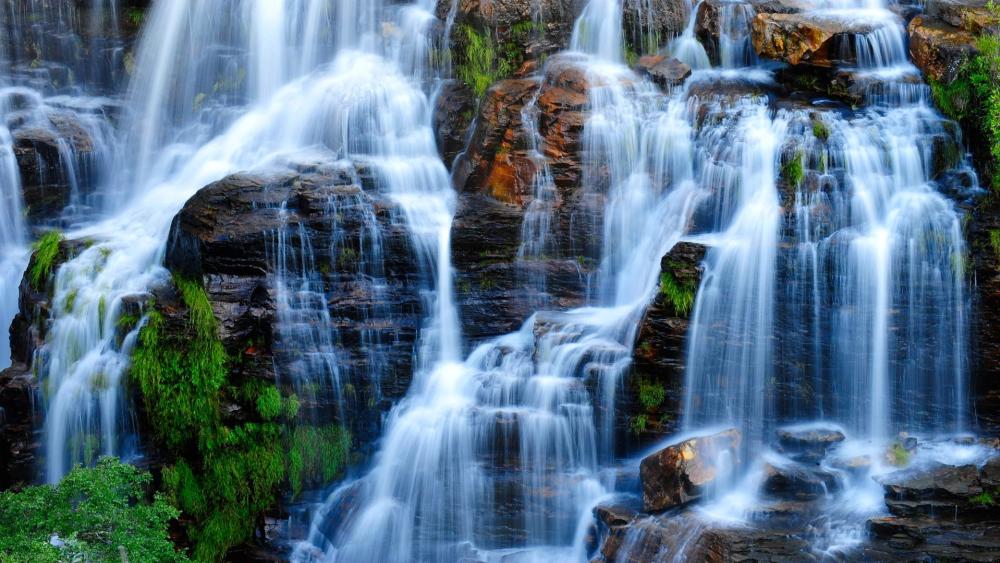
(795, 481)
(54, 163)
(939, 49)
(666, 72)
(682, 472)
(808, 443)
(810, 39)
(965, 492)
(711, 13)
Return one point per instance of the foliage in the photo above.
(93, 514)
(820, 130)
(898, 454)
(995, 242)
(316, 455)
(638, 424)
(181, 373)
(651, 395)
(973, 98)
(483, 62)
(794, 171)
(680, 294)
(226, 475)
(46, 252)
(984, 498)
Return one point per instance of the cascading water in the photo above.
(835, 281)
(192, 127)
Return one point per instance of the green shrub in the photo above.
(794, 170)
(99, 514)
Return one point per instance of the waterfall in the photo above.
(13, 235)
(363, 105)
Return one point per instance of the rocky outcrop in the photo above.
(246, 234)
(56, 163)
(941, 512)
(20, 410)
(454, 110)
(808, 444)
(809, 39)
(938, 49)
(650, 24)
(712, 13)
(498, 286)
(680, 473)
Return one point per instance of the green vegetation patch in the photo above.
(226, 474)
(482, 62)
(973, 98)
(794, 170)
(681, 294)
(46, 252)
(651, 395)
(94, 514)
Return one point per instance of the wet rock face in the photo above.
(496, 179)
(55, 164)
(680, 473)
(533, 28)
(938, 49)
(454, 110)
(240, 232)
(805, 38)
(941, 513)
(709, 18)
(649, 408)
(648, 24)
(20, 410)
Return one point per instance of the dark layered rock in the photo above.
(795, 481)
(985, 358)
(231, 234)
(20, 410)
(454, 110)
(941, 513)
(651, 24)
(658, 358)
(55, 165)
(680, 473)
(808, 443)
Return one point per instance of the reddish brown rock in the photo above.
(804, 38)
(666, 72)
(938, 49)
(680, 473)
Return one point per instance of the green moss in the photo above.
(482, 62)
(995, 242)
(226, 474)
(680, 294)
(46, 251)
(317, 455)
(347, 258)
(71, 300)
(638, 424)
(794, 170)
(984, 499)
(651, 395)
(269, 404)
(820, 130)
(899, 455)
